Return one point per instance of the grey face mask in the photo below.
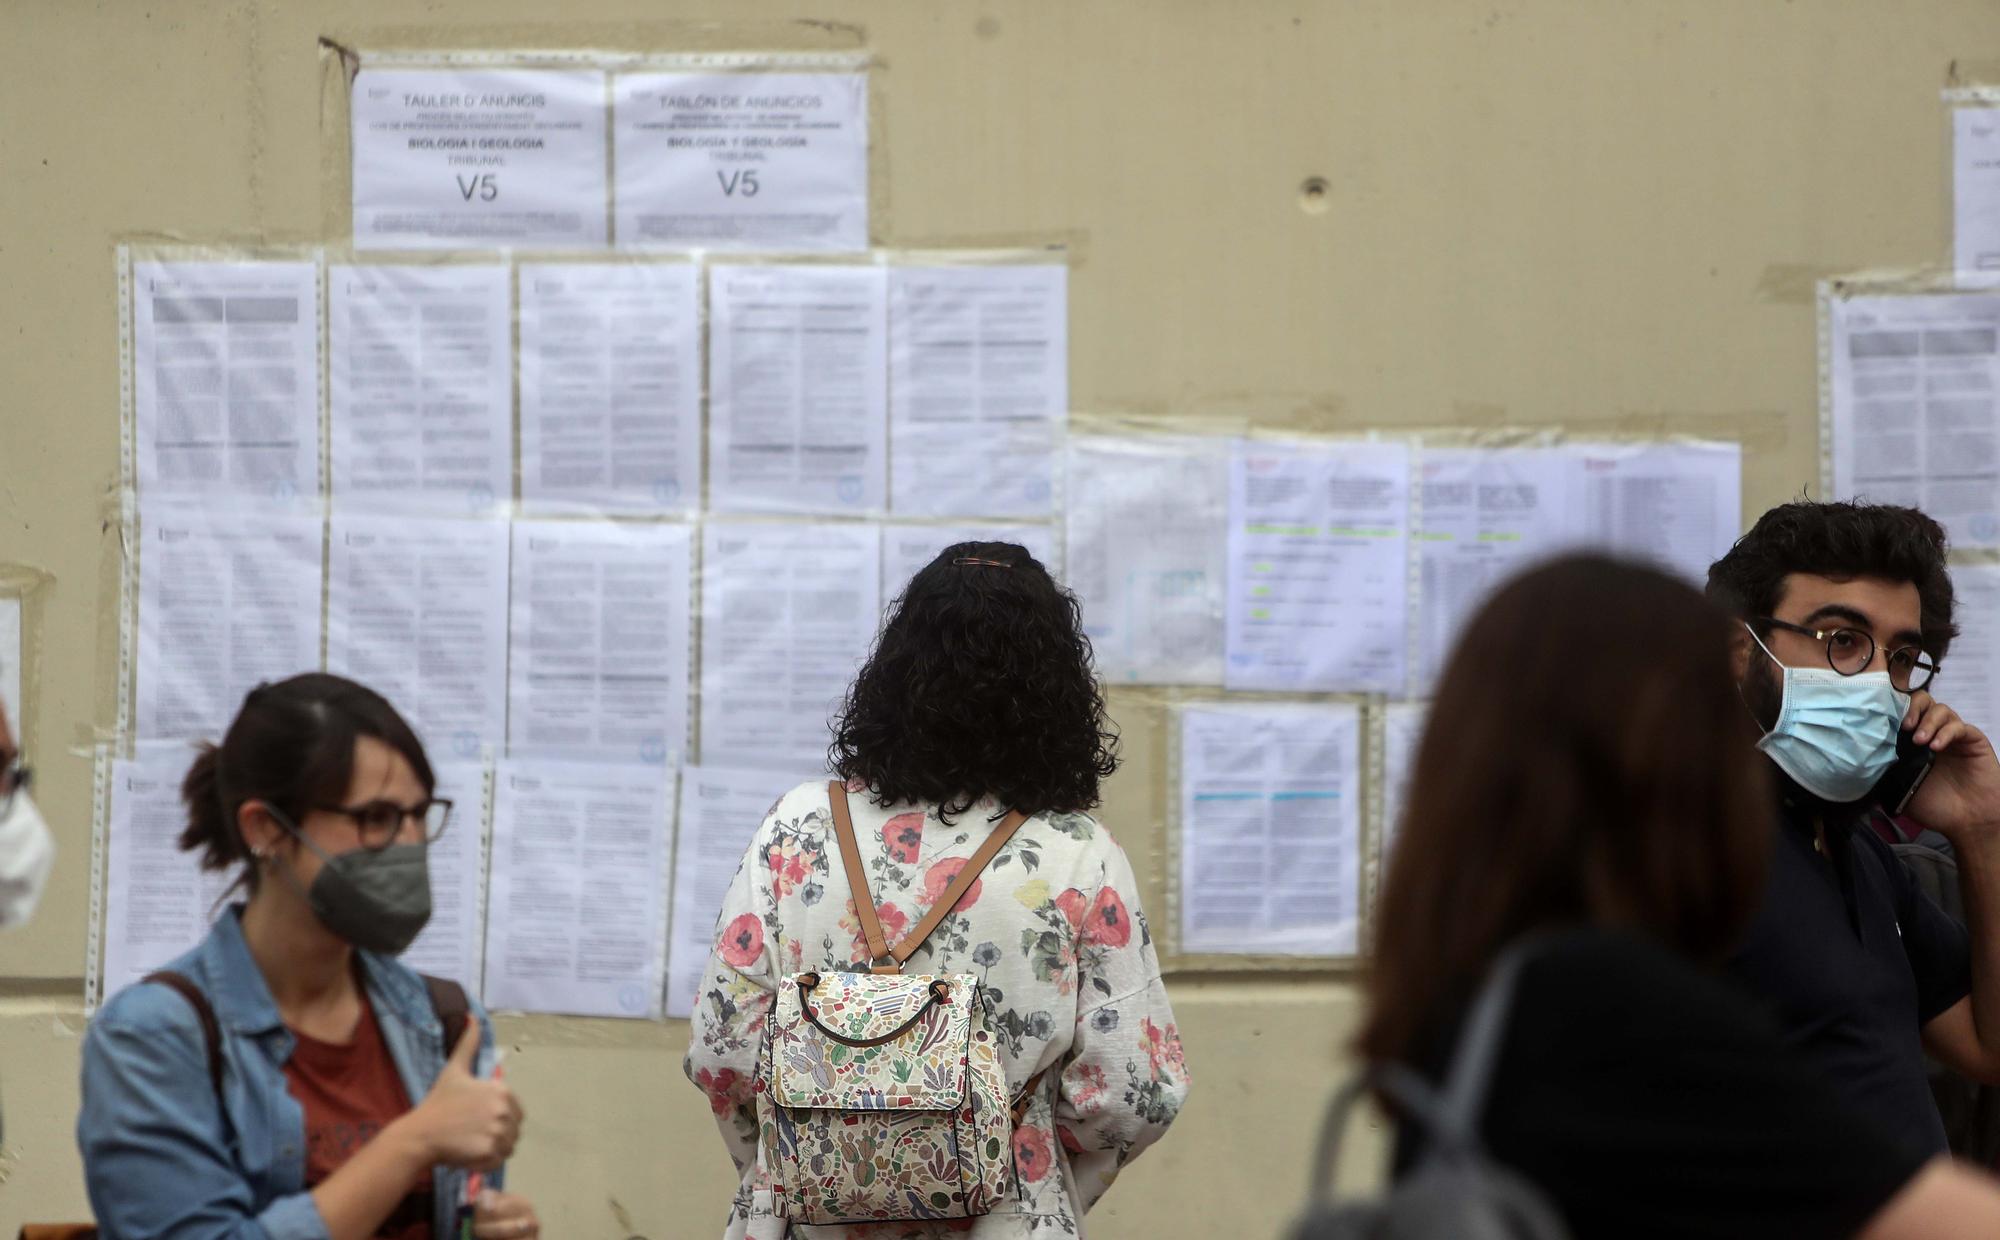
(377, 901)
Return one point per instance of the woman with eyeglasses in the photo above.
(288, 1077)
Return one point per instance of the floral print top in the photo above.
(1052, 927)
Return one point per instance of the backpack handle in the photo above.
(882, 957)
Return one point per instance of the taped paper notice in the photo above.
(721, 809)
(978, 387)
(228, 598)
(1915, 395)
(742, 161)
(577, 915)
(788, 613)
(422, 382)
(1270, 828)
(1487, 513)
(11, 655)
(158, 901)
(468, 159)
(1975, 192)
(449, 944)
(225, 379)
(798, 390)
(1678, 505)
(610, 388)
(599, 665)
(1318, 566)
(1969, 675)
(1145, 551)
(417, 611)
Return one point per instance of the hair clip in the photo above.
(973, 559)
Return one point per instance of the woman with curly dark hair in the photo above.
(977, 715)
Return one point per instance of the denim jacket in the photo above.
(162, 1160)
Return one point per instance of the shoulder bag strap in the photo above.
(959, 885)
(211, 1032)
(1479, 1044)
(882, 957)
(453, 1009)
(857, 882)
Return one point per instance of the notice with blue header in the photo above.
(1270, 828)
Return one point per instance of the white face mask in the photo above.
(27, 851)
(1835, 734)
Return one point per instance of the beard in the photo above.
(1764, 692)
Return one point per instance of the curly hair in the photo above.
(1841, 540)
(980, 685)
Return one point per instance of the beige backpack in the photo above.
(880, 1096)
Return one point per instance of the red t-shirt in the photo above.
(350, 1092)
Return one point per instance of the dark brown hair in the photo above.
(1840, 540)
(291, 747)
(1587, 761)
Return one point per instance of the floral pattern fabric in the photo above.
(1066, 964)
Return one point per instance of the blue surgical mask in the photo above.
(1835, 735)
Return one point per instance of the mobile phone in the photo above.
(1913, 762)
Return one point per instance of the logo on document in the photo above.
(478, 497)
(1985, 527)
(1037, 490)
(632, 997)
(653, 750)
(848, 489)
(666, 491)
(284, 490)
(465, 743)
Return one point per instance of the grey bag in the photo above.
(1455, 1192)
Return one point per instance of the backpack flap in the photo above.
(872, 1042)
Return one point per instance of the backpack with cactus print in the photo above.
(880, 1095)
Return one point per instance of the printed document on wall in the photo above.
(1402, 730)
(600, 644)
(908, 549)
(1270, 828)
(610, 387)
(449, 945)
(798, 389)
(721, 809)
(1487, 513)
(158, 902)
(228, 598)
(1145, 549)
(1969, 677)
(1915, 394)
(577, 910)
(422, 382)
(10, 661)
(1318, 566)
(1975, 189)
(1677, 505)
(978, 389)
(225, 379)
(417, 611)
(741, 161)
(478, 159)
(788, 614)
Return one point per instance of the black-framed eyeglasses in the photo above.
(1851, 651)
(380, 822)
(15, 776)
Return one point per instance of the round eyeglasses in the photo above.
(380, 822)
(1851, 651)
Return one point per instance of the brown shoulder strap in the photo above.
(959, 885)
(211, 1032)
(857, 880)
(453, 1009)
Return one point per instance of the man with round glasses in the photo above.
(1846, 615)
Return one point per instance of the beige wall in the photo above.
(1566, 212)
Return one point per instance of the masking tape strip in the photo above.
(1975, 96)
(1824, 317)
(100, 824)
(128, 509)
(616, 62)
